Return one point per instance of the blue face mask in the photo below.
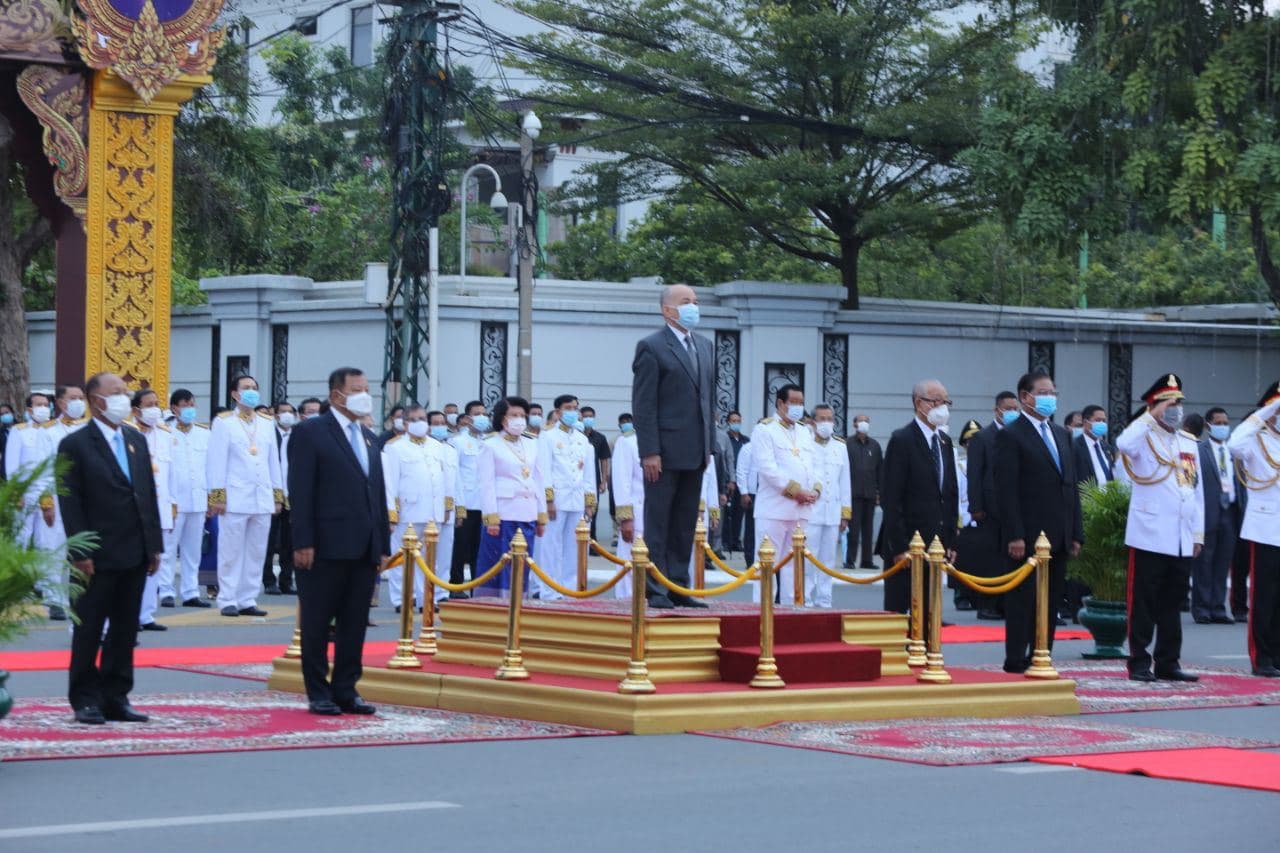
(1077, 432)
(313, 416)
(569, 419)
(439, 432)
(735, 427)
(188, 415)
(588, 423)
(1098, 428)
(1009, 416)
(481, 423)
(250, 397)
(1046, 405)
(626, 428)
(535, 421)
(6, 418)
(1219, 432)
(688, 315)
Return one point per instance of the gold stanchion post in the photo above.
(295, 645)
(637, 677)
(797, 565)
(583, 531)
(1041, 661)
(916, 648)
(933, 668)
(426, 644)
(512, 668)
(767, 668)
(404, 658)
(699, 554)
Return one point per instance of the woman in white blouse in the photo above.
(512, 495)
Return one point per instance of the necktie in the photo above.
(1102, 460)
(357, 446)
(937, 457)
(122, 455)
(1222, 462)
(1052, 445)
(693, 353)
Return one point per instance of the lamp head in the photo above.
(531, 125)
(498, 201)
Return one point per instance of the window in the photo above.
(362, 36)
(307, 25)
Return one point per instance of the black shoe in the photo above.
(660, 602)
(1240, 615)
(230, 611)
(153, 626)
(272, 590)
(1205, 620)
(1016, 667)
(57, 614)
(168, 601)
(686, 600)
(870, 567)
(397, 609)
(459, 596)
(196, 602)
(124, 713)
(1222, 620)
(1266, 672)
(324, 708)
(990, 616)
(964, 604)
(1142, 675)
(90, 715)
(1176, 675)
(252, 611)
(357, 706)
(1186, 606)
(1060, 622)
(285, 589)
(848, 567)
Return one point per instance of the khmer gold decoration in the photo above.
(59, 99)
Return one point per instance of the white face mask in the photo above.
(515, 426)
(360, 403)
(75, 409)
(863, 427)
(398, 424)
(418, 429)
(451, 418)
(825, 429)
(795, 412)
(39, 414)
(151, 415)
(287, 419)
(118, 408)
(940, 415)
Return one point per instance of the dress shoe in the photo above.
(964, 604)
(168, 601)
(660, 602)
(1186, 606)
(1222, 620)
(153, 626)
(869, 567)
(1204, 620)
(686, 600)
(1266, 672)
(90, 715)
(1176, 675)
(272, 590)
(990, 616)
(230, 611)
(1060, 622)
(459, 596)
(124, 713)
(57, 614)
(324, 708)
(357, 706)
(1016, 667)
(285, 589)
(1142, 675)
(848, 567)
(252, 611)
(196, 602)
(1240, 615)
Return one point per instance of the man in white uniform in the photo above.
(148, 419)
(569, 466)
(189, 452)
(783, 455)
(831, 514)
(69, 416)
(447, 510)
(413, 468)
(246, 490)
(748, 482)
(28, 446)
(627, 481)
(466, 542)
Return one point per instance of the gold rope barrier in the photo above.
(916, 649)
(700, 554)
(583, 532)
(721, 564)
(404, 658)
(748, 575)
(1016, 578)
(797, 566)
(393, 562)
(512, 667)
(469, 585)
(934, 671)
(609, 556)
(766, 667)
(583, 593)
(426, 643)
(1041, 662)
(637, 678)
(841, 576)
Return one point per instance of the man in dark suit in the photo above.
(979, 549)
(1036, 487)
(1210, 570)
(1095, 460)
(865, 461)
(110, 492)
(673, 378)
(919, 490)
(340, 535)
(278, 544)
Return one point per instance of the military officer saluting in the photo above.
(246, 489)
(416, 475)
(1165, 530)
(569, 465)
(1255, 446)
(831, 514)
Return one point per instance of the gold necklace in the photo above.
(250, 431)
(512, 443)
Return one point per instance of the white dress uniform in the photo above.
(783, 457)
(831, 468)
(569, 463)
(468, 447)
(189, 451)
(1256, 448)
(626, 477)
(244, 471)
(415, 471)
(26, 447)
(511, 487)
(745, 476)
(160, 446)
(53, 537)
(1165, 517)
(447, 515)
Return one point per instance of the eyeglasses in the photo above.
(935, 402)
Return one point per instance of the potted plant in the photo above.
(1103, 566)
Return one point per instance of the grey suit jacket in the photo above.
(671, 406)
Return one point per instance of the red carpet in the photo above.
(807, 648)
(995, 634)
(1216, 766)
(238, 722)
(176, 656)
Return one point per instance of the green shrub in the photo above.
(1103, 563)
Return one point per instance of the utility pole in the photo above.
(526, 239)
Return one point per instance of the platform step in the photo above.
(804, 663)
(811, 626)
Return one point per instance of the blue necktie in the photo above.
(1102, 460)
(1053, 445)
(357, 445)
(122, 455)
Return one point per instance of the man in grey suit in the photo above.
(1211, 569)
(671, 387)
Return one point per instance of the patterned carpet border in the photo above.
(186, 723)
(967, 741)
(245, 671)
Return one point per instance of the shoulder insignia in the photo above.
(264, 415)
(768, 421)
(1185, 434)
(202, 426)
(49, 424)
(529, 435)
(22, 425)
(228, 413)
(393, 440)
(491, 436)
(130, 426)
(839, 439)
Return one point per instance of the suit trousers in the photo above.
(823, 542)
(279, 543)
(779, 533)
(1238, 595)
(109, 596)
(188, 534)
(731, 524)
(558, 554)
(861, 528)
(1157, 588)
(242, 547)
(1020, 614)
(151, 589)
(749, 532)
(334, 591)
(1264, 605)
(670, 515)
(1212, 568)
(466, 547)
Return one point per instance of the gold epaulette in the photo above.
(767, 420)
(202, 426)
(527, 434)
(265, 415)
(393, 440)
(228, 413)
(22, 425)
(840, 439)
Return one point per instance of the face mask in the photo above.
(626, 428)
(1009, 416)
(250, 397)
(535, 421)
(398, 424)
(75, 409)
(1098, 428)
(825, 429)
(1172, 417)
(150, 415)
(588, 423)
(1219, 432)
(939, 416)
(482, 424)
(569, 419)
(1046, 405)
(1076, 432)
(360, 403)
(187, 415)
(6, 418)
(451, 418)
(735, 427)
(313, 416)
(118, 408)
(287, 419)
(795, 412)
(515, 426)
(863, 427)
(439, 432)
(419, 429)
(688, 315)
(39, 414)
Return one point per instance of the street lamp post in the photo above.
(498, 202)
(530, 127)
